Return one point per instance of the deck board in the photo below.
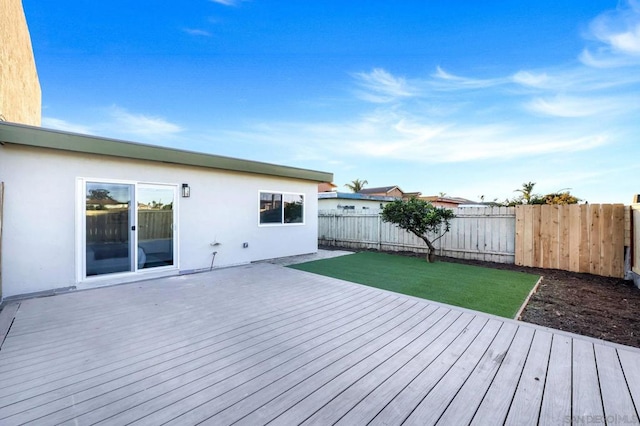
(367, 409)
(631, 369)
(262, 343)
(471, 393)
(129, 357)
(342, 403)
(47, 366)
(525, 406)
(556, 400)
(273, 399)
(438, 399)
(193, 362)
(403, 404)
(587, 398)
(616, 398)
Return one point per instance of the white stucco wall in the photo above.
(38, 241)
(333, 203)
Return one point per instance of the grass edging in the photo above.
(526, 301)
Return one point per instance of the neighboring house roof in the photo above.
(326, 187)
(380, 190)
(450, 200)
(353, 196)
(103, 201)
(11, 133)
(411, 194)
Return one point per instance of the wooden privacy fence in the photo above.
(635, 238)
(113, 226)
(586, 238)
(481, 233)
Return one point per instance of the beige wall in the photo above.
(20, 96)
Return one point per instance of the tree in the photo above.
(527, 192)
(98, 194)
(528, 197)
(419, 217)
(356, 185)
(561, 198)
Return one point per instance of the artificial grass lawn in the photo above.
(488, 290)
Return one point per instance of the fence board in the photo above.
(535, 240)
(635, 228)
(483, 233)
(584, 238)
(606, 234)
(564, 243)
(618, 240)
(574, 237)
(594, 240)
(114, 226)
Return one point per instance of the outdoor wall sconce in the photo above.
(186, 191)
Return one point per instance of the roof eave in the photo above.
(19, 134)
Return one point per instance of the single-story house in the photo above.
(349, 201)
(82, 211)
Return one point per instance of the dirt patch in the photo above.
(590, 305)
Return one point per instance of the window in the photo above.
(281, 208)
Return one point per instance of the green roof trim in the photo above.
(18, 134)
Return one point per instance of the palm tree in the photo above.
(527, 191)
(356, 185)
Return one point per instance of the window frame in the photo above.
(283, 195)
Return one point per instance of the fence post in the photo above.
(379, 231)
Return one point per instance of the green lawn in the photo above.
(488, 290)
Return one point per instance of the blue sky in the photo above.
(469, 98)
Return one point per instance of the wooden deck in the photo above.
(265, 344)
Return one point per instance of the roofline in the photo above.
(353, 196)
(379, 188)
(20, 134)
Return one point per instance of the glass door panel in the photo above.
(108, 219)
(155, 225)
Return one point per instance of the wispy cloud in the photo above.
(197, 32)
(618, 35)
(564, 106)
(532, 79)
(444, 79)
(227, 2)
(140, 124)
(59, 124)
(380, 86)
(399, 136)
(119, 123)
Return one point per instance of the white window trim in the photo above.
(270, 225)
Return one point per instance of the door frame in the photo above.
(129, 276)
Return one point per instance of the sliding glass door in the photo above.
(109, 226)
(155, 225)
(129, 227)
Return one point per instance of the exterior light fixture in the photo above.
(186, 191)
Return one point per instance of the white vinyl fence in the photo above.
(480, 233)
